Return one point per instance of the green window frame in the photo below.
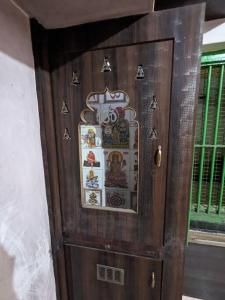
(207, 194)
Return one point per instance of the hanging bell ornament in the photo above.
(140, 72)
(75, 79)
(64, 109)
(153, 134)
(66, 135)
(106, 67)
(154, 103)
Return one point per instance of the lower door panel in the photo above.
(100, 275)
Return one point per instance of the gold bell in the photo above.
(106, 67)
(140, 72)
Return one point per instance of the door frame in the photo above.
(184, 26)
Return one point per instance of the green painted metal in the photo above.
(222, 188)
(215, 138)
(209, 218)
(207, 191)
(204, 138)
(211, 58)
(190, 202)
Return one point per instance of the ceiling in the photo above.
(215, 9)
(65, 13)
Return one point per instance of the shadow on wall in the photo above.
(6, 276)
(15, 34)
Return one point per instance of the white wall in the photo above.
(214, 35)
(26, 271)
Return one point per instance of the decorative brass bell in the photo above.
(64, 109)
(153, 134)
(140, 72)
(75, 79)
(154, 103)
(66, 135)
(106, 67)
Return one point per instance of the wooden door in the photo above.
(119, 226)
(119, 101)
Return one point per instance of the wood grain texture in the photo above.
(70, 49)
(140, 233)
(83, 283)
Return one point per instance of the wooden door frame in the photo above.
(185, 27)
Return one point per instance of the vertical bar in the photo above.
(204, 138)
(222, 187)
(215, 139)
(191, 190)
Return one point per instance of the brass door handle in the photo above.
(158, 156)
(153, 280)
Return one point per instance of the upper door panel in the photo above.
(141, 75)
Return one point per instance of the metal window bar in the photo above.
(207, 194)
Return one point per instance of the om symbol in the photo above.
(109, 116)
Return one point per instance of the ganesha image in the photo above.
(115, 175)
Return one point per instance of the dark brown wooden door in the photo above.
(138, 233)
(135, 233)
(119, 177)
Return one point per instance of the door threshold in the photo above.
(206, 238)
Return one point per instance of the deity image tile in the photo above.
(92, 178)
(92, 197)
(115, 129)
(117, 198)
(116, 171)
(109, 150)
(92, 158)
(90, 136)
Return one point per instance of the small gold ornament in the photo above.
(64, 109)
(140, 72)
(154, 103)
(153, 134)
(66, 135)
(106, 67)
(75, 79)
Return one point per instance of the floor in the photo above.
(204, 276)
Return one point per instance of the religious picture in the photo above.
(115, 129)
(117, 198)
(108, 141)
(92, 178)
(91, 158)
(116, 169)
(92, 197)
(90, 136)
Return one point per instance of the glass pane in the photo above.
(109, 152)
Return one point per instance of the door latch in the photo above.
(153, 280)
(158, 156)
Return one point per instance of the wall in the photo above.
(26, 271)
(214, 35)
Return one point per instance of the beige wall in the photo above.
(26, 271)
